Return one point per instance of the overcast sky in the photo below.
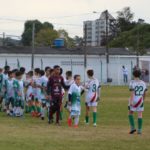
(55, 11)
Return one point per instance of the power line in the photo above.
(22, 21)
(12, 20)
(62, 17)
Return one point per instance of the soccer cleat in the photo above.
(38, 114)
(95, 125)
(8, 112)
(87, 123)
(139, 132)
(42, 118)
(50, 121)
(57, 124)
(33, 114)
(69, 122)
(76, 126)
(132, 131)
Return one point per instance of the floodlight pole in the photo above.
(107, 48)
(3, 38)
(33, 45)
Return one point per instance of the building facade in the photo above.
(96, 29)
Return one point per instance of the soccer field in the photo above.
(111, 133)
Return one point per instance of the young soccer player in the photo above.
(37, 93)
(2, 90)
(92, 96)
(47, 71)
(4, 77)
(10, 94)
(19, 95)
(69, 81)
(43, 86)
(54, 91)
(23, 71)
(29, 92)
(136, 102)
(74, 94)
(63, 96)
(6, 70)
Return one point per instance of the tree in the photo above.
(78, 41)
(45, 37)
(137, 39)
(27, 34)
(69, 42)
(48, 25)
(125, 20)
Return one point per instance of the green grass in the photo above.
(111, 133)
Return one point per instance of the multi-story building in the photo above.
(96, 30)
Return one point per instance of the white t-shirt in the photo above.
(139, 88)
(43, 83)
(9, 85)
(75, 91)
(92, 87)
(124, 71)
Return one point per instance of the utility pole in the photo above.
(140, 21)
(107, 48)
(137, 52)
(33, 45)
(85, 49)
(3, 38)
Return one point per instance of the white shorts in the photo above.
(92, 104)
(138, 105)
(137, 109)
(75, 113)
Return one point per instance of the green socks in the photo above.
(94, 117)
(87, 119)
(38, 109)
(131, 121)
(140, 121)
(61, 115)
(33, 108)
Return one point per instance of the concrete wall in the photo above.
(76, 64)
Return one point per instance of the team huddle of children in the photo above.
(41, 91)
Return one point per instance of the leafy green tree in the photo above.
(45, 37)
(78, 41)
(69, 42)
(48, 25)
(125, 20)
(27, 34)
(137, 39)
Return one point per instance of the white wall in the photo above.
(94, 62)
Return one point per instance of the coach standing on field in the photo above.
(125, 74)
(54, 91)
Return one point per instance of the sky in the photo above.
(64, 14)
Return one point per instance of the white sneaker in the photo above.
(7, 112)
(95, 125)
